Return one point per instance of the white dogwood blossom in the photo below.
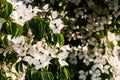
(93, 27)
(23, 13)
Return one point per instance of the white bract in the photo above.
(56, 25)
(54, 14)
(22, 13)
(45, 7)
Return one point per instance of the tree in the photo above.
(59, 40)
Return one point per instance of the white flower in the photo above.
(45, 7)
(62, 62)
(36, 63)
(45, 60)
(54, 14)
(65, 48)
(62, 55)
(38, 66)
(17, 40)
(61, 58)
(80, 56)
(28, 1)
(28, 59)
(111, 36)
(82, 77)
(20, 50)
(56, 25)
(36, 55)
(54, 28)
(22, 13)
(52, 51)
(73, 59)
(7, 50)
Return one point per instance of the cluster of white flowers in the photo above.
(95, 16)
(97, 59)
(113, 55)
(56, 24)
(23, 13)
(103, 61)
(40, 53)
(11, 72)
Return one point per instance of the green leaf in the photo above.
(11, 57)
(6, 42)
(19, 67)
(2, 75)
(61, 39)
(55, 39)
(9, 78)
(50, 76)
(58, 38)
(66, 72)
(39, 27)
(5, 9)
(6, 27)
(26, 28)
(1, 58)
(111, 45)
(102, 33)
(118, 43)
(35, 75)
(14, 29)
(44, 75)
(28, 74)
(10, 8)
(20, 30)
(49, 39)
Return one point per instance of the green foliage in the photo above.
(11, 57)
(103, 33)
(111, 45)
(2, 75)
(46, 75)
(5, 40)
(58, 38)
(40, 28)
(19, 67)
(5, 9)
(118, 43)
(32, 74)
(12, 28)
(64, 74)
(106, 76)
